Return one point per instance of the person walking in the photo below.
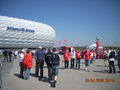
(105, 57)
(27, 64)
(118, 58)
(66, 56)
(87, 57)
(20, 59)
(48, 61)
(92, 56)
(55, 67)
(78, 57)
(40, 58)
(111, 62)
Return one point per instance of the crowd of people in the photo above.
(74, 57)
(52, 59)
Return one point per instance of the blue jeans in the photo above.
(87, 63)
(26, 73)
(78, 63)
(55, 70)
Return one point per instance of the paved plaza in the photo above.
(69, 79)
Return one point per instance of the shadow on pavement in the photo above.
(100, 65)
(44, 79)
(33, 75)
(18, 75)
(116, 64)
(103, 71)
(61, 68)
(83, 69)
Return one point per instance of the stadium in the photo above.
(20, 33)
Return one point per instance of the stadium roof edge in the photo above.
(27, 20)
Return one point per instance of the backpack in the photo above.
(112, 54)
(55, 59)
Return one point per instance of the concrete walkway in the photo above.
(69, 79)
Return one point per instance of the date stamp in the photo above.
(100, 80)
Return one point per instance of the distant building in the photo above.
(93, 46)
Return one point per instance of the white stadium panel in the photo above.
(19, 33)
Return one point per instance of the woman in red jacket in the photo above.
(27, 64)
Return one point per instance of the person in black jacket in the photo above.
(5, 53)
(118, 58)
(48, 61)
(111, 62)
(55, 67)
(10, 55)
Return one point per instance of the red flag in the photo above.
(65, 41)
(59, 42)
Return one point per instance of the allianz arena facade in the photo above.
(19, 33)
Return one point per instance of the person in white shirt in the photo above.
(20, 59)
(73, 56)
(15, 54)
(92, 56)
(105, 57)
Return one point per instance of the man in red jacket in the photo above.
(78, 57)
(87, 57)
(66, 56)
(27, 64)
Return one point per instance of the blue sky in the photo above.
(78, 21)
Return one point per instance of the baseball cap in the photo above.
(40, 47)
(54, 49)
